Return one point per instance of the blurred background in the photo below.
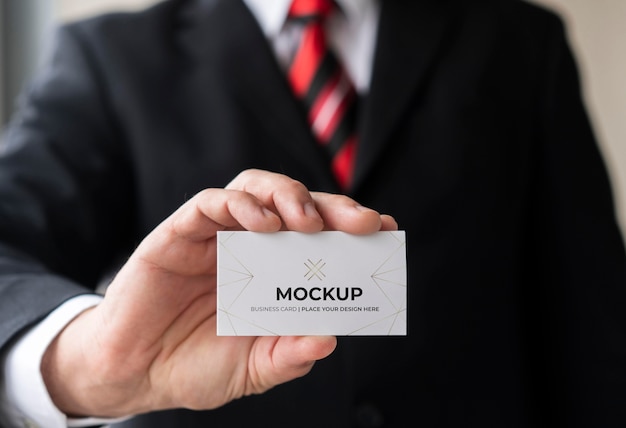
(597, 30)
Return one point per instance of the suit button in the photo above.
(369, 416)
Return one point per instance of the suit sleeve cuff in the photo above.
(25, 399)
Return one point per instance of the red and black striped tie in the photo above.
(326, 90)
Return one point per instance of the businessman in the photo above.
(468, 129)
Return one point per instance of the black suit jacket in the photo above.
(473, 136)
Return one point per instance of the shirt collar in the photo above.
(272, 14)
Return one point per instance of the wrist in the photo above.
(26, 398)
(79, 375)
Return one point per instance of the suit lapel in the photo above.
(253, 76)
(409, 35)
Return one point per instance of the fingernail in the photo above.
(268, 213)
(362, 208)
(310, 211)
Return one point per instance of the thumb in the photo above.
(290, 357)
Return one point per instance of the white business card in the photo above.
(325, 283)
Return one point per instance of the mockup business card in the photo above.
(326, 283)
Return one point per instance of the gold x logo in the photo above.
(314, 269)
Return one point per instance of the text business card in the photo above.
(326, 283)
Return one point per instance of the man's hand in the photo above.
(151, 344)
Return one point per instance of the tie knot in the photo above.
(310, 9)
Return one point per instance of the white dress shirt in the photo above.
(24, 400)
(352, 34)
